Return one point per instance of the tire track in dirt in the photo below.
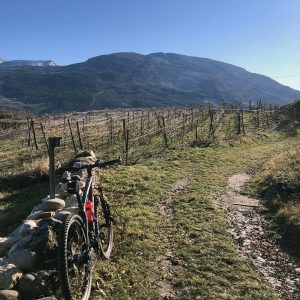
(248, 227)
(168, 262)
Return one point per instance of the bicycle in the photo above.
(89, 230)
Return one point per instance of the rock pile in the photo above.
(29, 254)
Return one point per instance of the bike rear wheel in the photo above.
(74, 260)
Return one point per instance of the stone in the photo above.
(85, 160)
(72, 210)
(4, 261)
(46, 214)
(27, 227)
(53, 204)
(4, 245)
(21, 244)
(71, 201)
(41, 215)
(90, 153)
(61, 215)
(62, 189)
(15, 236)
(34, 215)
(9, 275)
(48, 198)
(47, 281)
(25, 260)
(9, 295)
(44, 240)
(54, 223)
(36, 208)
(28, 287)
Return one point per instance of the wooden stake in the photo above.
(72, 137)
(111, 131)
(34, 136)
(211, 116)
(242, 121)
(44, 136)
(79, 136)
(126, 146)
(29, 133)
(162, 129)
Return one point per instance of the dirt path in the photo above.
(247, 226)
(168, 261)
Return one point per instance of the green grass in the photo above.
(18, 195)
(211, 267)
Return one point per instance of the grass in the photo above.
(210, 266)
(277, 181)
(18, 195)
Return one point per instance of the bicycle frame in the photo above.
(82, 200)
(89, 195)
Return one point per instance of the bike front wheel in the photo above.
(74, 260)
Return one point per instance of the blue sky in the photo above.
(261, 36)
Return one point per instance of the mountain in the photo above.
(135, 80)
(28, 63)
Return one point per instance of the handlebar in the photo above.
(97, 164)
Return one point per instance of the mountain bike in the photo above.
(88, 231)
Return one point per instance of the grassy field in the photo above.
(207, 264)
(188, 251)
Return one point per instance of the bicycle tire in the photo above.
(105, 227)
(74, 259)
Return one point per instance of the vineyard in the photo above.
(131, 134)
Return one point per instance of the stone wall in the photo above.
(29, 254)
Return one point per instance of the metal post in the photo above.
(52, 142)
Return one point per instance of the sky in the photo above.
(262, 36)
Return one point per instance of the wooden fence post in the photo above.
(34, 136)
(268, 121)
(72, 137)
(44, 136)
(196, 131)
(211, 117)
(111, 131)
(79, 136)
(238, 123)
(126, 140)
(162, 129)
(242, 121)
(29, 133)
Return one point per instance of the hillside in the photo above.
(135, 80)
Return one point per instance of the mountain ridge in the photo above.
(129, 79)
(29, 63)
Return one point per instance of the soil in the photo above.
(248, 226)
